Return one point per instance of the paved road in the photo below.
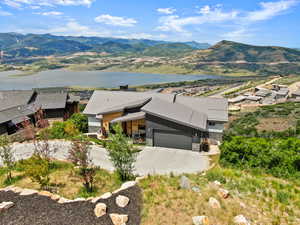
(152, 160)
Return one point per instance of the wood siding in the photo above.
(133, 126)
(109, 117)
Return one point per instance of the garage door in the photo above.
(170, 139)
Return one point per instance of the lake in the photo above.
(93, 79)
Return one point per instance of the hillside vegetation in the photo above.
(18, 45)
(228, 51)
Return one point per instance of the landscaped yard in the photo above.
(65, 180)
(260, 198)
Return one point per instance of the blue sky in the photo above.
(262, 22)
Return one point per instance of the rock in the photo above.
(138, 179)
(54, 197)
(128, 184)
(223, 193)
(240, 220)
(122, 201)
(28, 192)
(100, 209)
(185, 183)
(214, 203)
(63, 200)
(6, 205)
(79, 200)
(200, 220)
(242, 205)
(106, 195)
(196, 189)
(118, 219)
(217, 183)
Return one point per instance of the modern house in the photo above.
(165, 120)
(18, 106)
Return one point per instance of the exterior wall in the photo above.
(94, 124)
(216, 132)
(109, 117)
(153, 123)
(3, 128)
(133, 126)
(54, 113)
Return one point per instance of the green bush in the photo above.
(280, 157)
(38, 169)
(80, 121)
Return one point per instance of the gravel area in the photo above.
(41, 210)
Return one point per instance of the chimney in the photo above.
(174, 98)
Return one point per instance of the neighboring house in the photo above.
(18, 106)
(165, 120)
(296, 94)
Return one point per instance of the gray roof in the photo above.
(52, 100)
(216, 109)
(128, 105)
(10, 99)
(104, 100)
(176, 112)
(16, 113)
(129, 117)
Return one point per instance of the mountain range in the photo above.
(29, 45)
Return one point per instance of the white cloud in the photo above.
(115, 20)
(72, 27)
(240, 34)
(167, 11)
(30, 3)
(51, 13)
(4, 13)
(270, 9)
(208, 15)
(205, 9)
(142, 36)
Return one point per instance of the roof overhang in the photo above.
(129, 117)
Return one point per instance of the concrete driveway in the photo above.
(151, 160)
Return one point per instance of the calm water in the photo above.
(62, 78)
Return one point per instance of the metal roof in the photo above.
(216, 109)
(16, 113)
(129, 117)
(104, 100)
(177, 113)
(52, 100)
(10, 99)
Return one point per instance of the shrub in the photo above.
(79, 155)
(38, 170)
(7, 156)
(80, 121)
(280, 157)
(122, 153)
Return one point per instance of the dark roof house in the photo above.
(166, 120)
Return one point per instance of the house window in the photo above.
(211, 123)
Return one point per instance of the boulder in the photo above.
(28, 192)
(223, 193)
(214, 203)
(54, 197)
(217, 183)
(100, 209)
(106, 195)
(185, 182)
(200, 220)
(240, 220)
(63, 200)
(6, 205)
(118, 219)
(122, 201)
(196, 189)
(128, 184)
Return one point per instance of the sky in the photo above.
(259, 22)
